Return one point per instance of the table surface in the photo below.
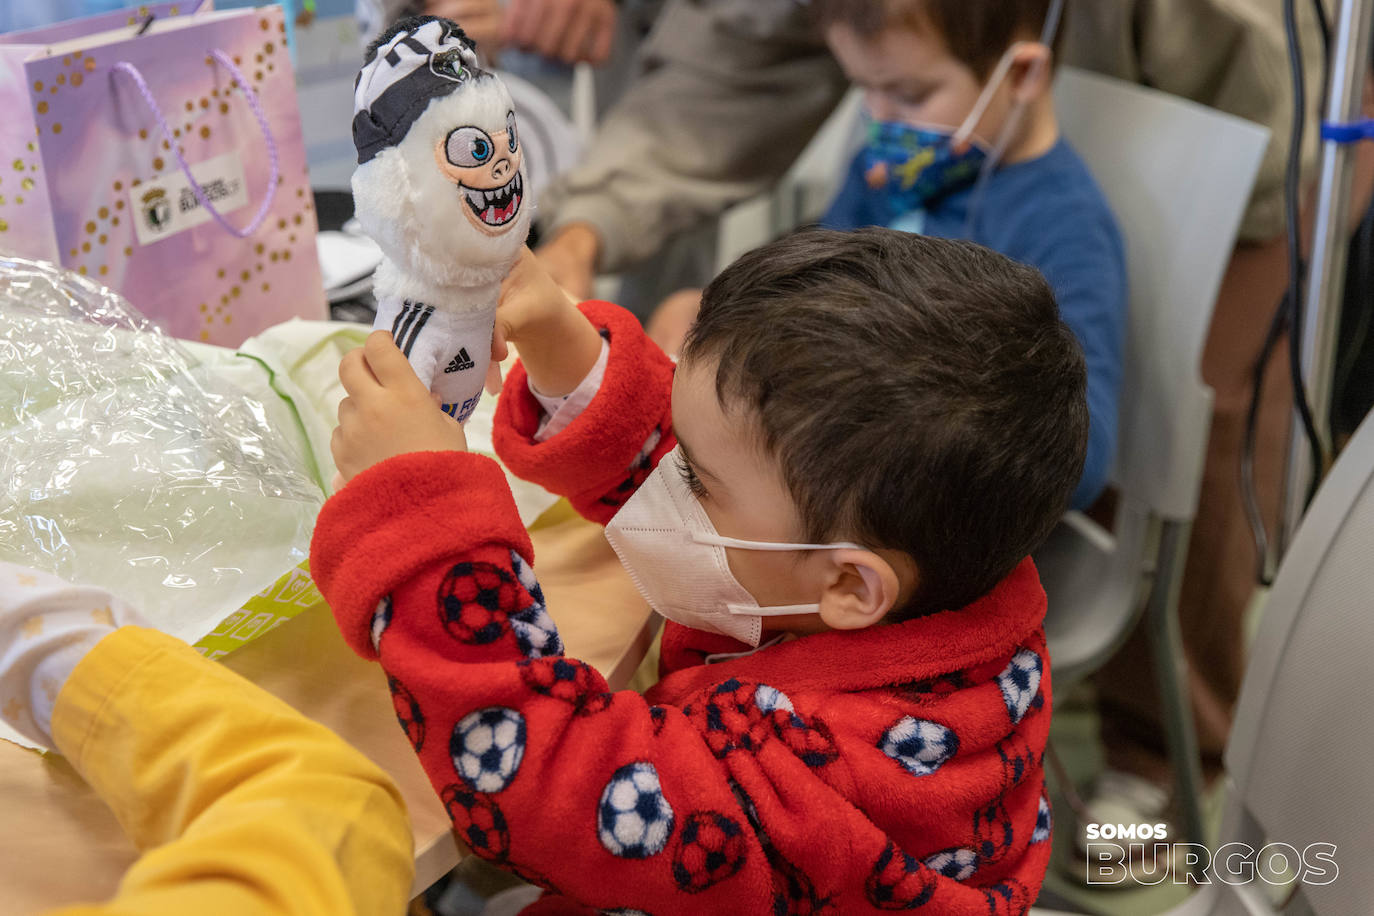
(61, 845)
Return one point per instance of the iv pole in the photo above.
(1330, 245)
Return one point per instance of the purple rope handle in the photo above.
(252, 97)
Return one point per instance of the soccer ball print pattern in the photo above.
(710, 848)
(919, 745)
(957, 864)
(1020, 681)
(899, 882)
(634, 820)
(480, 602)
(479, 821)
(487, 747)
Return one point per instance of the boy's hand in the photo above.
(571, 256)
(557, 344)
(388, 411)
(532, 306)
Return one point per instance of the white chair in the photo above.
(1297, 762)
(1178, 176)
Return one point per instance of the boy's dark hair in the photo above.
(919, 394)
(977, 32)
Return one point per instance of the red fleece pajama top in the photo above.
(892, 768)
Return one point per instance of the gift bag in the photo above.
(158, 151)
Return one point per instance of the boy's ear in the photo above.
(1032, 71)
(860, 588)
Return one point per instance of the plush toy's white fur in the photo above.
(433, 253)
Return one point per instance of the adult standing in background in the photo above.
(730, 93)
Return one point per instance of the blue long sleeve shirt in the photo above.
(1050, 214)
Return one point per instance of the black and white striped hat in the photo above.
(417, 60)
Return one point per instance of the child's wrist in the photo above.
(559, 352)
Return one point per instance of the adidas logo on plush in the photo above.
(460, 362)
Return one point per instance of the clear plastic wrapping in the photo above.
(124, 463)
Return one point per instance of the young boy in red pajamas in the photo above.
(831, 497)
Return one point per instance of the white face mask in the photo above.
(677, 560)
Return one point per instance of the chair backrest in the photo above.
(1178, 176)
(1299, 754)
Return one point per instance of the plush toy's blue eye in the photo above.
(468, 147)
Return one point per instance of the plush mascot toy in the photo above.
(440, 186)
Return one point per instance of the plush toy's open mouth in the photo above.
(498, 207)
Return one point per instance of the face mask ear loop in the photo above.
(1047, 36)
(980, 107)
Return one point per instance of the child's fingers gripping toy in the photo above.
(440, 186)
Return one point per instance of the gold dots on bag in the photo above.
(74, 252)
(234, 292)
(228, 319)
(103, 212)
(258, 247)
(89, 64)
(204, 336)
(204, 308)
(220, 273)
(286, 255)
(26, 184)
(281, 224)
(245, 275)
(57, 128)
(265, 24)
(90, 226)
(104, 270)
(158, 163)
(190, 106)
(42, 107)
(119, 205)
(37, 85)
(143, 133)
(4, 226)
(19, 165)
(205, 132)
(104, 238)
(257, 76)
(81, 270)
(77, 78)
(258, 58)
(86, 247)
(128, 251)
(119, 185)
(114, 221)
(18, 199)
(62, 77)
(67, 61)
(204, 102)
(266, 287)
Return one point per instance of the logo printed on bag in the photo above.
(460, 362)
(157, 210)
(170, 206)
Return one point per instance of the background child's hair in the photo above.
(919, 394)
(976, 32)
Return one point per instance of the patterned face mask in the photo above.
(917, 164)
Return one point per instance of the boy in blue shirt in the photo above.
(947, 83)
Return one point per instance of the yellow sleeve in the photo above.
(239, 803)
